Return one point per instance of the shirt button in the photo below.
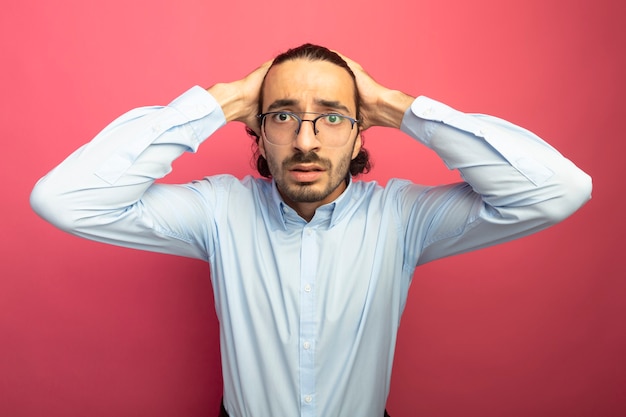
(307, 288)
(308, 399)
(306, 345)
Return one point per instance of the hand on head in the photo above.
(380, 106)
(369, 91)
(240, 99)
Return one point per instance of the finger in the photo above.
(354, 66)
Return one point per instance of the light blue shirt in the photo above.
(308, 312)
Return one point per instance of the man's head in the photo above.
(309, 53)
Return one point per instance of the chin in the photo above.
(305, 193)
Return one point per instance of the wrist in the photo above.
(392, 105)
(229, 98)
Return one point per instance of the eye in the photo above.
(333, 119)
(283, 117)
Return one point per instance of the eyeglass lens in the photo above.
(331, 129)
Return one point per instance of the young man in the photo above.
(310, 268)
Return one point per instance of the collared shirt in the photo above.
(308, 311)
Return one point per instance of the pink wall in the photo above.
(530, 328)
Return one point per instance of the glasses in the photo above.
(282, 127)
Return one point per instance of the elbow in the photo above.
(573, 193)
(47, 203)
(585, 188)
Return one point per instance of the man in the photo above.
(311, 268)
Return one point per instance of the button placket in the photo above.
(308, 326)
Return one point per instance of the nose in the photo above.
(306, 140)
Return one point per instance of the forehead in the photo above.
(306, 83)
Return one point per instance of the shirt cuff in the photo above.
(419, 117)
(195, 104)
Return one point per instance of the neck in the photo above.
(305, 210)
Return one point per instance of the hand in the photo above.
(240, 99)
(380, 106)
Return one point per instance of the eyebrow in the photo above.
(287, 102)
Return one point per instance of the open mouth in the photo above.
(306, 173)
(306, 168)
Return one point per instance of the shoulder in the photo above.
(223, 187)
(228, 182)
(393, 188)
(399, 196)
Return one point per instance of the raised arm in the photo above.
(516, 183)
(106, 189)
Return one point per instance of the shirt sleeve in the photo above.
(105, 190)
(515, 183)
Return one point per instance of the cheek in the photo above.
(272, 155)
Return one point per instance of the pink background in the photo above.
(530, 328)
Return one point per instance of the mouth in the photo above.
(306, 168)
(306, 172)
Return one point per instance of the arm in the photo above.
(516, 183)
(105, 190)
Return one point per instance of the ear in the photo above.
(357, 145)
(261, 145)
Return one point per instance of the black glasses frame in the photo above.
(262, 117)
